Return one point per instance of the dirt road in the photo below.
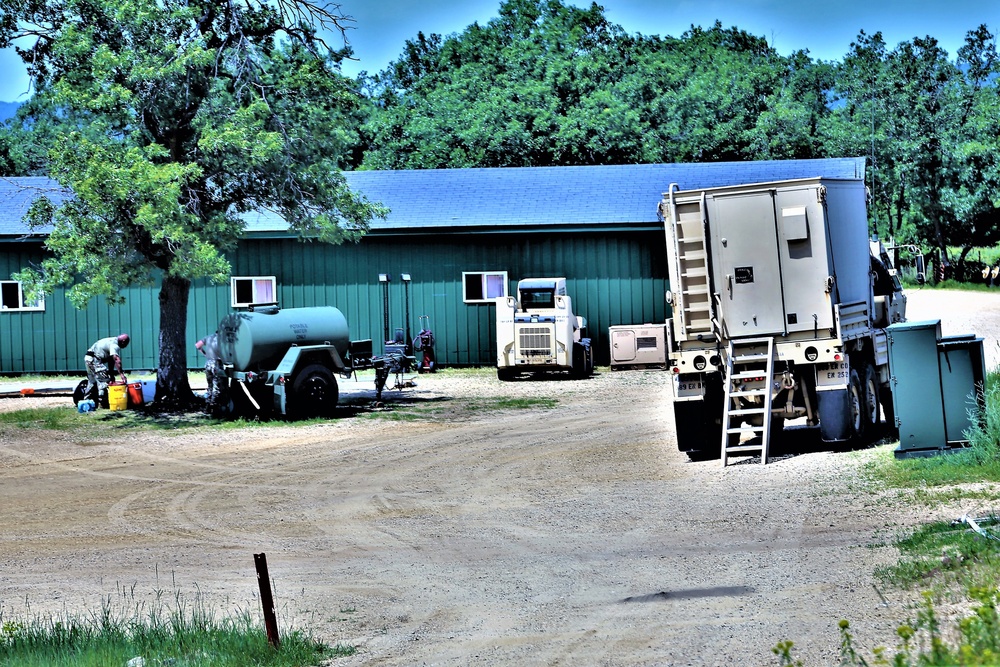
(468, 534)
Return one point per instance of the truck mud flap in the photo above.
(699, 429)
(834, 415)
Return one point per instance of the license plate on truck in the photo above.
(833, 374)
(684, 388)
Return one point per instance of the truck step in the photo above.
(742, 430)
(747, 393)
(749, 358)
(750, 375)
(746, 411)
(743, 448)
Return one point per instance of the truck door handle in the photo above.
(729, 285)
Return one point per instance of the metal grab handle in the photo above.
(729, 285)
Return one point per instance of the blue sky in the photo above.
(825, 28)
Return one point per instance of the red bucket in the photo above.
(134, 394)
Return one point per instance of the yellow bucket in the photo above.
(117, 396)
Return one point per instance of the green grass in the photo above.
(160, 634)
(976, 464)
(506, 403)
(101, 421)
(944, 555)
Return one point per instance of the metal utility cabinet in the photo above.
(937, 387)
(779, 302)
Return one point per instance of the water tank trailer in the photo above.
(285, 360)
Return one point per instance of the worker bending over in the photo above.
(100, 359)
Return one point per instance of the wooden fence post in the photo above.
(266, 599)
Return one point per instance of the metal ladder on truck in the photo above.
(749, 370)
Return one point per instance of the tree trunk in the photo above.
(172, 387)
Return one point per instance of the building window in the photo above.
(483, 286)
(12, 297)
(251, 290)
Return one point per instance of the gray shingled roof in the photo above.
(16, 195)
(522, 196)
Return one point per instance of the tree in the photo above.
(930, 129)
(549, 84)
(186, 114)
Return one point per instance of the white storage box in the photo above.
(638, 346)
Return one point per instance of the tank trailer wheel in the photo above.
(314, 393)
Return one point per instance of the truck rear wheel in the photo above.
(314, 393)
(871, 400)
(856, 405)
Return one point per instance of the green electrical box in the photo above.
(937, 386)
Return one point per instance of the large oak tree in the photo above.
(183, 115)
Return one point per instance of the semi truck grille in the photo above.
(535, 341)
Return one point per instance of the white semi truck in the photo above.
(538, 332)
(779, 304)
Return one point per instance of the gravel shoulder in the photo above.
(472, 534)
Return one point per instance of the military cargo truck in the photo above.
(779, 304)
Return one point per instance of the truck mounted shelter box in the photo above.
(937, 387)
(813, 230)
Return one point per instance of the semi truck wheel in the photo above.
(506, 374)
(314, 393)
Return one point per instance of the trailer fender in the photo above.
(295, 360)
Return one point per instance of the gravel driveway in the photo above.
(472, 534)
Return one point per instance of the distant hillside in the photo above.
(8, 109)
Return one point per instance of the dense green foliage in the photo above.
(547, 84)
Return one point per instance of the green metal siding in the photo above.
(613, 278)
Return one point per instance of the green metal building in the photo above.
(463, 236)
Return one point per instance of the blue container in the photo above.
(86, 406)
